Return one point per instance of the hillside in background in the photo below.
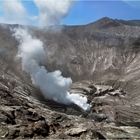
(102, 58)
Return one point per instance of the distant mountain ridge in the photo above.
(130, 22)
(117, 22)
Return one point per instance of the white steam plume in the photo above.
(52, 84)
(52, 11)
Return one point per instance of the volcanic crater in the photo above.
(102, 58)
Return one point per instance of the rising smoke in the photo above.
(52, 84)
(52, 11)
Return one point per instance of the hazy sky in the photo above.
(86, 11)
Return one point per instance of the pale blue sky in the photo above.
(86, 11)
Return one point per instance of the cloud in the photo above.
(135, 4)
(14, 7)
(14, 11)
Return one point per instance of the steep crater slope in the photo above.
(106, 52)
(102, 58)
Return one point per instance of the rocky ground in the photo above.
(103, 60)
(23, 116)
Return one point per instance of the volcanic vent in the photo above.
(106, 55)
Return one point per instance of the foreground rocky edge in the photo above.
(22, 116)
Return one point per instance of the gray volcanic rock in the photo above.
(22, 116)
(103, 59)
